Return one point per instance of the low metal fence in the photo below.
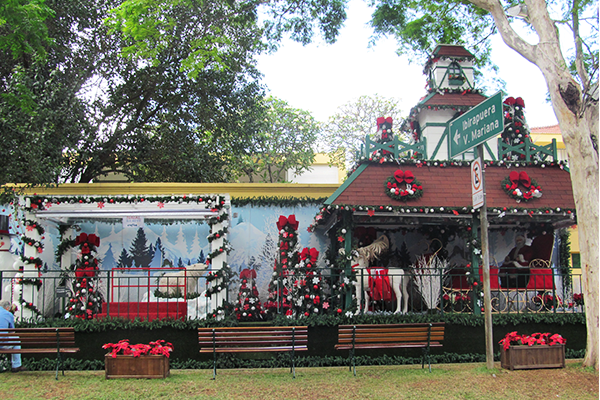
(132, 293)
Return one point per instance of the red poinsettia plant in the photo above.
(123, 347)
(531, 340)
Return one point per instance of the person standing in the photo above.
(7, 321)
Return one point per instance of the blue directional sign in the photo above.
(477, 125)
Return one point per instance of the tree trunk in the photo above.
(584, 179)
(578, 120)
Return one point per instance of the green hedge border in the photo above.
(110, 324)
(281, 361)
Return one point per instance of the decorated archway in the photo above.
(66, 211)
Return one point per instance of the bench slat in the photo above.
(252, 349)
(386, 346)
(390, 336)
(46, 350)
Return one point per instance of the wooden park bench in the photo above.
(39, 341)
(423, 335)
(253, 340)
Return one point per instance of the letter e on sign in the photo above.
(477, 183)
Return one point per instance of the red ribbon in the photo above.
(510, 101)
(402, 176)
(517, 178)
(291, 220)
(248, 273)
(84, 237)
(311, 254)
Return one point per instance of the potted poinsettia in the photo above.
(125, 360)
(538, 350)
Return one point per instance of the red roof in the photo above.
(450, 50)
(454, 99)
(552, 129)
(451, 187)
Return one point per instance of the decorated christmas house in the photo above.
(422, 199)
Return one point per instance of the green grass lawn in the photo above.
(447, 381)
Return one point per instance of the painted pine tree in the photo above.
(140, 252)
(125, 260)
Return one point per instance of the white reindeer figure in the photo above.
(397, 276)
(184, 281)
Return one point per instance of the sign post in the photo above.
(477, 183)
(487, 296)
(476, 126)
(472, 129)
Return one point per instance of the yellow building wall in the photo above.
(235, 190)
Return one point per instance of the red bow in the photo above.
(381, 120)
(509, 101)
(91, 239)
(83, 272)
(512, 101)
(248, 273)
(283, 221)
(311, 254)
(402, 176)
(522, 178)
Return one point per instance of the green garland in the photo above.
(176, 295)
(216, 235)
(32, 242)
(30, 281)
(30, 225)
(29, 306)
(43, 202)
(265, 201)
(224, 310)
(419, 162)
(32, 260)
(564, 266)
(225, 273)
(327, 210)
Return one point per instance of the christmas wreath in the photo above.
(403, 186)
(511, 183)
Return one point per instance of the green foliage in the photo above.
(265, 201)
(419, 26)
(229, 361)
(345, 131)
(22, 28)
(284, 142)
(150, 26)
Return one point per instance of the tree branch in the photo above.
(510, 37)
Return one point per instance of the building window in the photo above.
(455, 75)
(576, 260)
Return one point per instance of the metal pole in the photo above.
(487, 299)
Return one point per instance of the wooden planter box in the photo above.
(145, 367)
(533, 357)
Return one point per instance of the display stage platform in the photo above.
(145, 310)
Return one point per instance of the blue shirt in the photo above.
(7, 319)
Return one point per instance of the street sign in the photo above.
(477, 183)
(477, 125)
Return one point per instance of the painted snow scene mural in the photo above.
(254, 240)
